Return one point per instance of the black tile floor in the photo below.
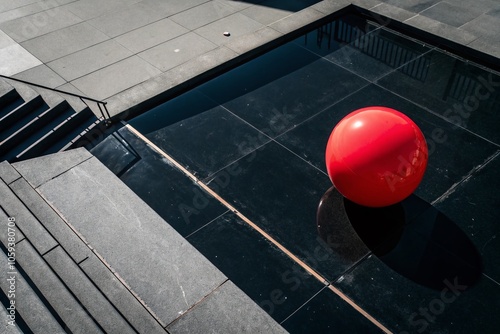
(252, 193)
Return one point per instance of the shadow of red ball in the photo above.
(376, 156)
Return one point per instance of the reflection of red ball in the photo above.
(376, 156)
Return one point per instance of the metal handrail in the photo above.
(104, 110)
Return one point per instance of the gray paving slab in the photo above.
(128, 305)
(31, 26)
(57, 227)
(331, 6)
(25, 221)
(12, 4)
(28, 305)
(203, 14)
(253, 40)
(30, 9)
(5, 40)
(485, 26)
(415, 6)
(484, 45)
(16, 59)
(226, 310)
(366, 4)
(7, 173)
(160, 266)
(89, 60)
(126, 19)
(269, 11)
(177, 51)
(484, 5)
(238, 4)
(392, 12)
(70, 310)
(115, 78)
(151, 35)
(167, 83)
(89, 9)
(451, 13)
(441, 29)
(297, 20)
(236, 24)
(42, 169)
(64, 41)
(168, 8)
(15, 233)
(86, 292)
(41, 75)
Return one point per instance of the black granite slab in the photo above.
(228, 242)
(464, 94)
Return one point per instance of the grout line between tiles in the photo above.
(301, 263)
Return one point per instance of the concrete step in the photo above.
(62, 136)
(37, 124)
(21, 115)
(63, 289)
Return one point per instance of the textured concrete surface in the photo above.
(129, 51)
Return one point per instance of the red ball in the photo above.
(376, 156)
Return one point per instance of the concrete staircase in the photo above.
(38, 123)
(59, 285)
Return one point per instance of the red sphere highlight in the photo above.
(376, 156)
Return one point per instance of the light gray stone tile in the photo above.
(169, 8)
(486, 46)
(90, 9)
(366, 4)
(25, 221)
(62, 301)
(238, 4)
(151, 35)
(203, 14)
(64, 41)
(115, 78)
(452, 13)
(164, 270)
(440, 29)
(170, 80)
(86, 293)
(7, 173)
(41, 75)
(265, 15)
(236, 24)
(121, 297)
(51, 221)
(42, 169)
(16, 59)
(297, 20)
(5, 40)
(415, 6)
(12, 4)
(392, 12)
(485, 26)
(177, 51)
(89, 60)
(30, 9)
(331, 6)
(226, 310)
(28, 305)
(39, 24)
(128, 18)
